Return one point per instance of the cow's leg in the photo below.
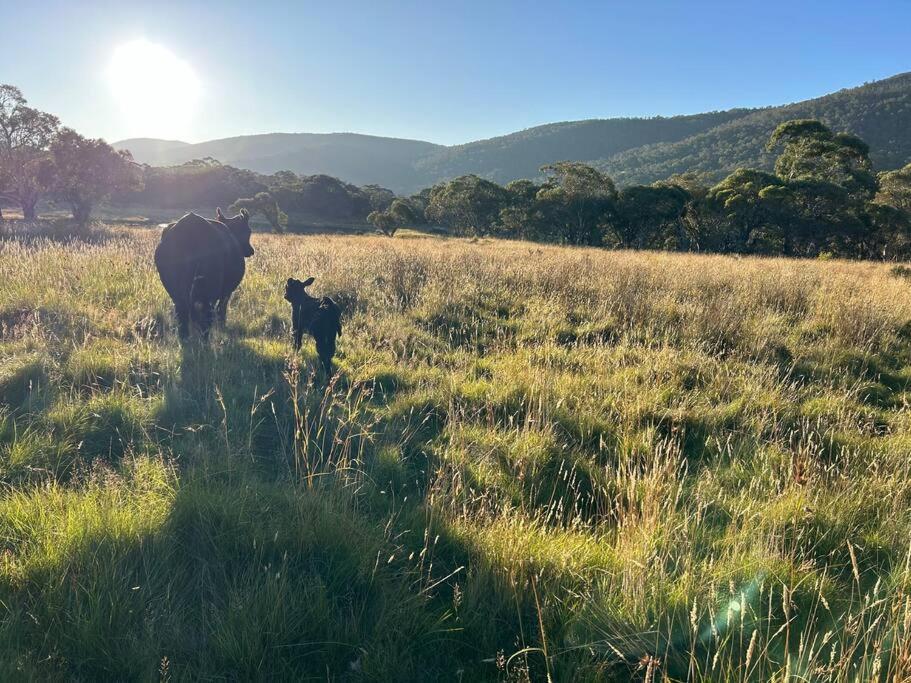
(222, 310)
(202, 314)
(183, 320)
(206, 318)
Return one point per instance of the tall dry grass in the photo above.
(535, 462)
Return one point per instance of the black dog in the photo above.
(320, 317)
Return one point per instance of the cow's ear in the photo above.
(309, 281)
(244, 213)
(218, 214)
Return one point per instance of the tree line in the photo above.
(207, 183)
(878, 112)
(823, 198)
(40, 159)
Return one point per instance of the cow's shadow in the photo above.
(250, 409)
(253, 542)
(300, 534)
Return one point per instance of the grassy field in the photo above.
(534, 463)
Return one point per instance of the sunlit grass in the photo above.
(534, 461)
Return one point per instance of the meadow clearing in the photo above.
(534, 463)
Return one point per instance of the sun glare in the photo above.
(157, 91)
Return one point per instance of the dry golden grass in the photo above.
(534, 461)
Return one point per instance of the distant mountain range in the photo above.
(631, 150)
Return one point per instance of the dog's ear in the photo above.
(309, 281)
(290, 282)
(219, 216)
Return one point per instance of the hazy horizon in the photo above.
(446, 75)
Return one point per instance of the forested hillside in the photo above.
(630, 150)
(520, 155)
(880, 113)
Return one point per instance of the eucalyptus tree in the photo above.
(84, 172)
(25, 138)
(469, 205)
(265, 204)
(812, 151)
(737, 216)
(401, 213)
(895, 189)
(650, 217)
(577, 201)
(522, 216)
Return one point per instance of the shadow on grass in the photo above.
(250, 573)
(279, 551)
(880, 379)
(239, 581)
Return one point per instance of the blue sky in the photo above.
(446, 72)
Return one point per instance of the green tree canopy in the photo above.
(380, 198)
(649, 217)
(197, 184)
(265, 204)
(735, 214)
(85, 172)
(576, 200)
(895, 189)
(25, 136)
(401, 213)
(811, 151)
(522, 216)
(467, 204)
(320, 197)
(383, 221)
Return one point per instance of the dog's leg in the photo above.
(325, 349)
(298, 328)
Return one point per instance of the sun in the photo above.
(156, 91)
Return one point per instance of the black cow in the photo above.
(321, 317)
(201, 263)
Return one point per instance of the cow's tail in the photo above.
(197, 282)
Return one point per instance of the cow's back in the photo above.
(199, 255)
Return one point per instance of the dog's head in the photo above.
(296, 291)
(305, 305)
